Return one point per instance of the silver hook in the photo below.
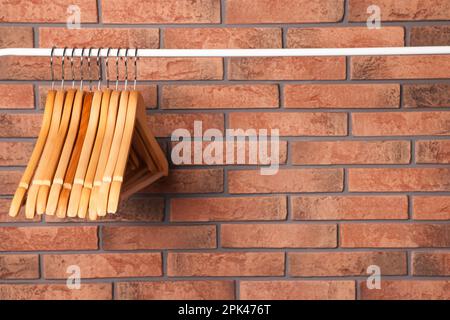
(72, 69)
(99, 62)
(62, 68)
(52, 72)
(81, 68)
(89, 68)
(126, 69)
(135, 67)
(107, 68)
(117, 69)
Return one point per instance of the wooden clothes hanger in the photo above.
(93, 149)
(30, 208)
(69, 177)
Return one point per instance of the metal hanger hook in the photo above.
(72, 68)
(62, 68)
(117, 69)
(81, 68)
(126, 69)
(107, 68)
(52, 71)
(135, 67)
(89, 68)
(99, 63)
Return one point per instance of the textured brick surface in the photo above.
(297, 290)
(345, 263)
(351, 37)
(220, 38)
(175, 290)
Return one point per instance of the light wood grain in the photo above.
(30, 208)
(19, 195)
(61, 210)
(66, 153)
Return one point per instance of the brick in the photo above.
(347, 37)
(399, 235)
(20, 125)
(426, 95)
(131, 210)
(55, 291)
(99, 37)
(175, 290)
(163, 124)
(286, 180)
(5, 218)
(38, 68)
(297, 290)
(16, 96)
(431, 207)
(430, 36)
(48, 238)
(189, 181)
(219, 96)
(41, 11)
(292, 123)
(401, 123)
(350, 152)
(287, 68)
(431, 263)
(244, 153)
(401, 10)
(408, 290)
(159, 237)
(148, 92)
(433, 151)
(349, 207)
(399, 179)
(328, 264)
(222, 38)
(24, 266)
(16, 37)
(109, 265)
(225, 264)
(228, 209)
(278, 235)
(174, 69)
(161, 11)
(342, 96)
(284, 11)
(400, 67)
(15, 153)
(9, 180)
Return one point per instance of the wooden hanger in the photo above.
(106, 146)
(95, 155)
(58, 179)
(119, 170)
(51, 165)
(80, 174)
(19, 195)
(30, 207)
(113, 155)
(61, 210)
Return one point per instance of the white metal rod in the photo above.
(384, 51)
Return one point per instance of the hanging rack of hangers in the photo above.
(94, 146)
(300, 52)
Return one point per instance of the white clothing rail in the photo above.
(383, 51)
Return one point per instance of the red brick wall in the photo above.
(364, 177)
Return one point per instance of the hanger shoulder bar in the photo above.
(306, 52)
